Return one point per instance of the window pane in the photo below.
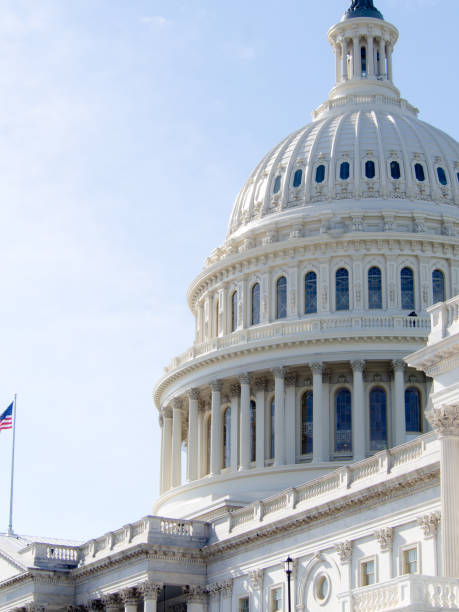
(253, 430)
(310, 293)
(281, 309)
(234, 312)
(368, 573)
(342, 289)
(419, 171)
(438, 286)
(363, 56)
(256, 304)
(413, 410)
(306, 423)
(297, 178)
(410, 561)
(442, 176)
(343, 435)
(320, 174)
(370, 169)
(227, 437)
(276, 600)
(277, 184)
(244, 605)
(395, 170)
(378, 420)
(344, 171)
(374, 288)
(407, 288)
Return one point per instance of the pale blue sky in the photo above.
(127, 128)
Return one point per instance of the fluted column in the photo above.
(166, 458)
(389, 62)
(344, 75)
(150, 592)
(399, 402)
(260, 387)
(318, 414)
(382, 57)
(356, 60)
(290, 419)
(216, 430)
(235, 392)
(358, 412)
(279, 416)
(370, 57)
(196, 598)
(130, 598)
(445, 420)
(192, 454)
(244, 449)
(176, 442)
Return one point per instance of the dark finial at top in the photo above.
(362, 8)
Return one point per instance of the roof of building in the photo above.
(362, 8)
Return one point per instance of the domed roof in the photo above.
(362, 8)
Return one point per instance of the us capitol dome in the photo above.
(337, 243)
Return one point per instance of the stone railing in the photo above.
(331, 105)
(419, 452)
(400, 593)
(314, 326)
(41, 554)
(445, 319)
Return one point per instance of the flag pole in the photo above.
(10, 524)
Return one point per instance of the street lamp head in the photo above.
(288, 565)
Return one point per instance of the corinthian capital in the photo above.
(429, 524)
(216, 386)
(193, 394)
(344, 550)
(399, 365)
(244, 379)
(150, 589)
(130, 596)
(195, 593)
(279, 372)
(317, 367)
(445, 420)
(177, 403)
(358, 365)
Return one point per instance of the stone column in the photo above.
(370, 56)
(166, 457)
(216, 430)
(130, 598)
(196, 598)
(318, 414)
(358, 412)
(389, 62)
(429, 524)
(398, 411)
(382, 57)
(192, 453)
(112, 602)
(279, 417)
(344, 550)
(344, 74)
(260, 386)
(290, 419)
(235, 395)
(244, 446)
(176, 442)
(256, 580)
(226, 596)
(356, 60)
(385, 539)
(445, 421)
(150, 591)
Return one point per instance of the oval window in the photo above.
(277, 184)
(320, 174)
(370, 169)
(345, 171)
(322, 588)
(419, 172)
(297, 178)
(395, 170)
(442, 176)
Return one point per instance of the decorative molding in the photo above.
(177, 403)
(235, 391)
(445, 420)
(429, 524)
(193, 394)
(195, 594)
(358, 365)
(216, 386)
(385, 538)
(344, 550)
(260, 384)
(256, 578)
(150, 589)
(244, 379)
(399, 365)
(278, 372)
(317, 367)
(290, 380)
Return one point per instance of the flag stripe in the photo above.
(6, 418)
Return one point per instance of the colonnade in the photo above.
(198, 418)
(377, 58)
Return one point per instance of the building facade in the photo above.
(296, 426)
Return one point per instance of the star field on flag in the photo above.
(6, 418)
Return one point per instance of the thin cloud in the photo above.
(156, 20)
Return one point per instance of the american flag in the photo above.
(6, 418)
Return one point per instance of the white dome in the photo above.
(354, 134)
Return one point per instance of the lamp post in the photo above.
(288, 570)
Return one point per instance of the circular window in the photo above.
(322, 589)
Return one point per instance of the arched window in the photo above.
(320, 174)
(256, 304)
(442, 176)
(298, 178)
(378, 419)
(277, 184)
(363, 57)
(306, 423)
(370, 169)
(419, 172)
(310, 293)
(344, 171)
(407, 288)
(342, 289)
(270, 431)
(413, 418)
(234, 311)
(343, 421)
(438, 286)
(374, 288)
(253, 431)
(227, 437)
(395, 170)
(281, 298)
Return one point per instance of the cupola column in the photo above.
(166, 448)
(279, 416)
(216, 446)
(318, 414)
(235, 395)
(192, 455)
(399, 402)
(389, 62)
(344, 59)
(358, 412)
(245, 422)
(177, 442)
(260, 387)
(356, 60)
(382, 57)
(370, 56)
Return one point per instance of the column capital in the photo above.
(429, 524)
(290, 379)
(244, 379)
(399, 365)
(256, 578)
(130, 596)
(260, 384)
(167, 412)
(112, 601)
(177, 403)
(235, 391)
(150, 589)
(195, 593)
(445, 420)
(193, 394)
(216, 386)
(344, 550)
(278, 372)
(385, 538)
(317, 367)
(358, 365)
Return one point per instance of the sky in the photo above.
(127, 128)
